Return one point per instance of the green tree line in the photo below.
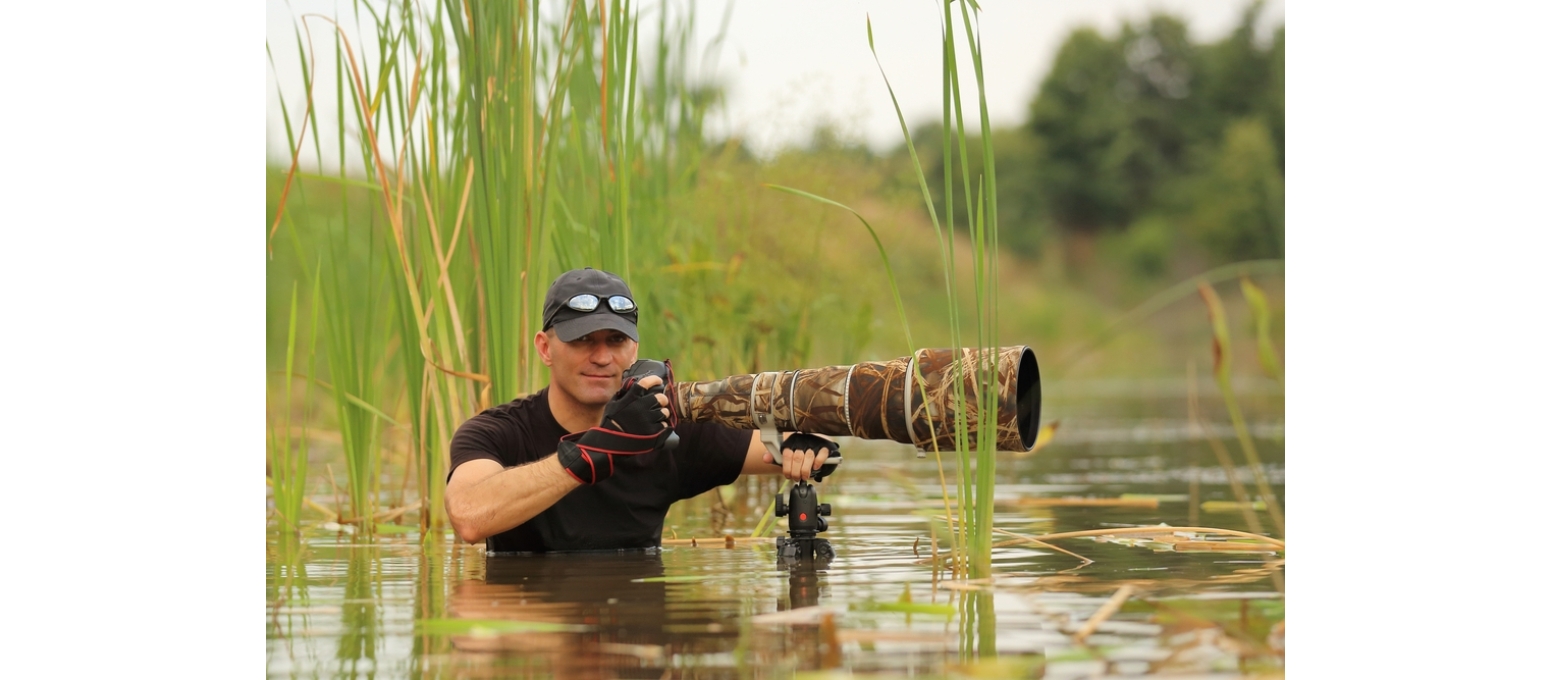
(1149, 140)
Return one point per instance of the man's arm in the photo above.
(484, 499)
(797, 465)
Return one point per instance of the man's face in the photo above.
(588, 369)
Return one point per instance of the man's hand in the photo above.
(802, 453)
(634, 423)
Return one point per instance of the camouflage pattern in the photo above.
(934, 422)
(869, 399)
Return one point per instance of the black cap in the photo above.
(570, 324)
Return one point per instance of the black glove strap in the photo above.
(802, 441)
(602, 440)
(589, 455)
(580, 465)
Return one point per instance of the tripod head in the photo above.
(805, 515)
(805, 520)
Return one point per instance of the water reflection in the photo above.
(807, 582)
(430, 598)
(357, 650)
(349, 606)
(623, 615)
(978, 638)
(287, 586)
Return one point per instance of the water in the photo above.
(341, 606)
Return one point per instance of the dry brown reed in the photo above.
(1107, 610)
(1018, 539)
(1223, 458)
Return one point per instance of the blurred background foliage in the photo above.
(1172, 150)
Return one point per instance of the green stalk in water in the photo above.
(984, 231)
(288, 456)
(1221, 349)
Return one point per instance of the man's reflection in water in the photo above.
(618, 596)
(633, 628)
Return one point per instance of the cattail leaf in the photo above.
(1221, 341)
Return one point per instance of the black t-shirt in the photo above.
(624, 511)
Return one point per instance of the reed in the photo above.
(1223, 458)
(1221, 349)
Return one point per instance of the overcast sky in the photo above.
(791, 64)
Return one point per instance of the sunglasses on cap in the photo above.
(587, 302)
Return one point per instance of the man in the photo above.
(546, 472)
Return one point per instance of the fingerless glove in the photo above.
(632, 425)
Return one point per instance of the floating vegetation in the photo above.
(905, 608)
(1112, 605)
(728, 542)
(1231, 506)
(1163, 533)
(696, 578)
(1079, 502)
(490, 627)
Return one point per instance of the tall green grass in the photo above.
(498, 144)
